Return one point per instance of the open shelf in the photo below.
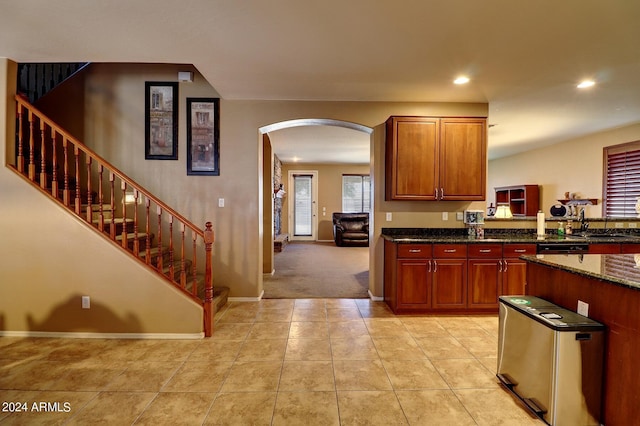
(523, 200)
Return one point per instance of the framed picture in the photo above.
(161, 120)
(203, 136)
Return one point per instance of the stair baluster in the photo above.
(194, 266)
(89, 194)
(32, 150)
(100, 199)
(20, 159)
(43, 159)
(147, 248)
(160, 254)
(76, 153)
(66, 195)
(136, 242)
(171, 269)
(208, 282)
(54, 172)
(123, 186)
(183, 265)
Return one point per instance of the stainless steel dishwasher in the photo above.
(552, 359)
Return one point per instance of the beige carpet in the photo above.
(306, 270)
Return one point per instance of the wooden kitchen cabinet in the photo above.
(407, 276)
(449, 277)
(485, 275)
(431, 158)
(514, 270)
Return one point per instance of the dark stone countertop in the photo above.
(618, 269)
(514, 236)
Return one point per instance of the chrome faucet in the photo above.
(584, 225)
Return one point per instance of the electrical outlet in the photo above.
(445, 215)
(633, 225)
(86, 302)
(459, 216)
(389, 216)
(583, 308)
(619, 224)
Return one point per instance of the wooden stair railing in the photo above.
(113, 204)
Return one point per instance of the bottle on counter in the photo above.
(561, 229)
(569, 229)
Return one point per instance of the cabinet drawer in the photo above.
(449, 251)
(414, 251)
(485, 251)
(516, 250)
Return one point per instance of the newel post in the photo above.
(208, 281)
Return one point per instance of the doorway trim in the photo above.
(267, 175)
(314, 205)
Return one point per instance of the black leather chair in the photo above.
(351, 229)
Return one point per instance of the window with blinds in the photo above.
(621, 180)
(356, 193)
(622, 266)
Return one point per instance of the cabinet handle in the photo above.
(520, 251)
(485, 250)
(442, 193)
(505, 266)
(435, 266)
(499, 265)
(415, 250)
(429, 263)
(436, 193)
(450, 250)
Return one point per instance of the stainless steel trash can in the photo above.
(552, 359)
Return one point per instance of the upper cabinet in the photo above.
(432, 158)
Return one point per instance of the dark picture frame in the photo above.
(161, 120)
(203, 136)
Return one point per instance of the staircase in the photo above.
(118, 208)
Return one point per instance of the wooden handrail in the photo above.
(84, 179)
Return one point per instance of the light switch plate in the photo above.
(86, 302)
(619, 224)
(389, 216)
(459, 216)
(445, 215)
(220, 202)
(633, 225)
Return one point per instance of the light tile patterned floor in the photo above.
(274, 362)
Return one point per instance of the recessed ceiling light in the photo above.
(461, 80)
(586, 83)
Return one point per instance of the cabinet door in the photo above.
(414, 284)
(449, 283)
(463, 159)
(514, 277)
(411, 161)
(485, 279)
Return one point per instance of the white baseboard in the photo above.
(88, 335)
(375, 298)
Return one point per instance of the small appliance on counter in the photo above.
(474, 219)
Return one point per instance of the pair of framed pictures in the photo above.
(161, 128)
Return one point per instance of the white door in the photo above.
(303, 205)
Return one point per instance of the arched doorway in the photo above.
(313, 126)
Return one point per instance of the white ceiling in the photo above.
(524, 58)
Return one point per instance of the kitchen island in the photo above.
(610, 285)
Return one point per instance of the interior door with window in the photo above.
(303, 205)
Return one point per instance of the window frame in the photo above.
(362, 198)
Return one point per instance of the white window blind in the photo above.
(302, 219)
(356, 193)
(621, 180)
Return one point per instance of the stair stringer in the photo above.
(50, 259)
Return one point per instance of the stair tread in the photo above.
(132, 235)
